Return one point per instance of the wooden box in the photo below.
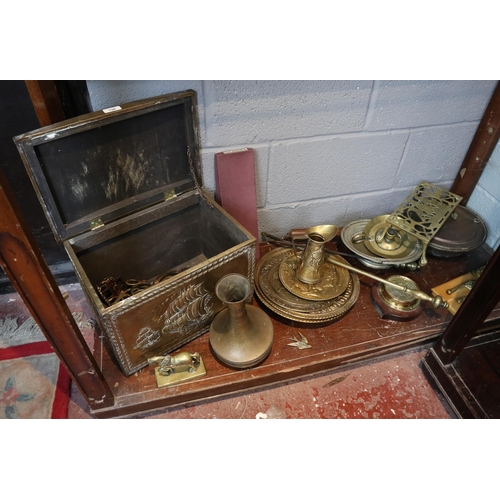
(121, 188)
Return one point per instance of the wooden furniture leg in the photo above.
(464, 364)
(480, 149)
(481, 300)
(24, 265)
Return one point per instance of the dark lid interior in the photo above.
(109, 168)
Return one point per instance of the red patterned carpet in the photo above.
(33, 384)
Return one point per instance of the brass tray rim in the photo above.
(299, 316)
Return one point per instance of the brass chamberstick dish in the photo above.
(352, 236)
(379, 240)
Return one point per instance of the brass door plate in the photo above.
(179, 377)
(457, 293)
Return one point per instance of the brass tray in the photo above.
(349, 231)
(277, 298)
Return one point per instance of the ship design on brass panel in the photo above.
(190, 310)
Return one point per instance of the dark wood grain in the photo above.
(464, 364)
(470, 384)
(46, 101)
(17, 116)
(480, 301)
(480, 149)
(23, 263)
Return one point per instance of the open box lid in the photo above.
(101, 166)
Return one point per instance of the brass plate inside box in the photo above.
(180, 377)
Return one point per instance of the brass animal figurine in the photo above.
(182, 362)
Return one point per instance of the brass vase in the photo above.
(241, 335)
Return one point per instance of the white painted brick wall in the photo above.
(332, 151)
(243, 112)
(401, 104)
(485, 199)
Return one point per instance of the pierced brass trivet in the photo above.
(423, 212)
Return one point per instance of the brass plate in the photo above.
(400, 247)
(277, 298)
(356, 228)
(180, 377)
(333, 283)
(424, 211)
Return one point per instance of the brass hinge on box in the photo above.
(96, 223)
(168, 195)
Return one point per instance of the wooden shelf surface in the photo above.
(359, 335)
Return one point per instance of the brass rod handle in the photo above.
(437, 301)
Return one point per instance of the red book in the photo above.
(235, 188)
